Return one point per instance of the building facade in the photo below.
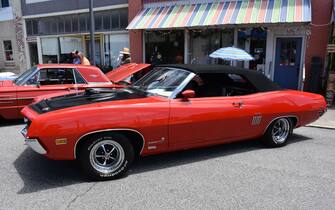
(283, 36)
(10, 57)
(54, 28)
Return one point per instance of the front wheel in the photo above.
(278, 132)
(106, 157)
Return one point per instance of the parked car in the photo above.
(173, 107)
(7, 76)
(48, 80)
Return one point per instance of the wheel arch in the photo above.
(136, 139)
(293, 118)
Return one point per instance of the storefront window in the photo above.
(68, 45)
(253, 40)
(162, 47)
(114, 43)
(8, 50)
(204, 42)
(104, 21)
(50, 50)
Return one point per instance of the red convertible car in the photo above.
(59, 79)
(173, 107)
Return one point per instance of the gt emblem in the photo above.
(256, 120)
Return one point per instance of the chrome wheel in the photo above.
(281, 130)
(107, 156)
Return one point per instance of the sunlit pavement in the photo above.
(244, 175)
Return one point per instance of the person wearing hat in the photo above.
(125, 56)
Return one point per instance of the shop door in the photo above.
(33, 54)
(287, 62)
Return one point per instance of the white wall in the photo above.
(8, 33)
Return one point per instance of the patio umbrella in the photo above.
(231, 53)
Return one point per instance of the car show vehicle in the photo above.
(47, 80)
(173, 107)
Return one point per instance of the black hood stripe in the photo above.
(90, 96)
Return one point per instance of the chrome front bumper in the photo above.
(33, 143)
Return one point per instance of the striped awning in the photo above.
(223, 13)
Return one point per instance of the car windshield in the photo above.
(20, 80)
(162, 81)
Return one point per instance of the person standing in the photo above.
(83, 59)
(75, 58)
(125, 56)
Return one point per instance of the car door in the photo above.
(45, 81)
(209, 120)
(223, 111)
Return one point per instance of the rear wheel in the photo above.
(106, 157)
(278, 132)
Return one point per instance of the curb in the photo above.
(321, 126)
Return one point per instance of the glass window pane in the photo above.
(88, 22)
(98, 22)
(106, 22)
(61, 26)
(75, 25)
(5, 3)
(29, 26)
(123, 18)
(35, 27)
(204, 42)
(115, 20)
(54, 25)
(68, 24)
(7, 45)
(117, 43)
(50, 50)
(82, 23)
(8, 50)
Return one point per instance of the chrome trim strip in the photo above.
(99, 131)
(7, 102)
(28, 98)
(278, 118)
(7, 99)
(99, 83)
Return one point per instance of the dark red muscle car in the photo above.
(59, 79)
(173, 107)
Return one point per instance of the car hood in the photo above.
(89, 96)
(6, 83)
(125, 71)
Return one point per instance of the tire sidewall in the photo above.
(120, 171)
(268, 138)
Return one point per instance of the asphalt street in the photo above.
(235, 176)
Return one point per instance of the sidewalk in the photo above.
(326, 121)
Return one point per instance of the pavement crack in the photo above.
(80, 195)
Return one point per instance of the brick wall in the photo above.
(320, 31)
(135, 36)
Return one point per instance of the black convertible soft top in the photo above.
(259, 80)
